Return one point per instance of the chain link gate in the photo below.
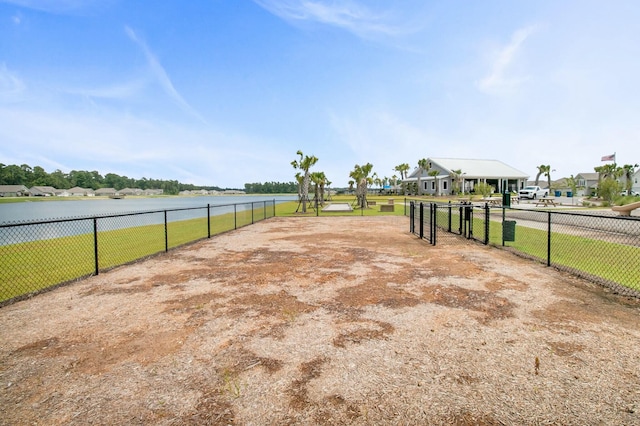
(432, 221)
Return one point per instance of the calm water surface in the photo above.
(51, 210)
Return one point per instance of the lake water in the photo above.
(91, 207)
(22, 222)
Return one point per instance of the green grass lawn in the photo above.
(596, 257)
(602, 259)
(289, 208)
(33, 266)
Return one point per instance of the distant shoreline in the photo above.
(9, 200)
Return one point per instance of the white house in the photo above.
(440, 177)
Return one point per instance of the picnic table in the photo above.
(494, 201)
(546, 201)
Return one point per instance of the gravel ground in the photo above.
(323, 320)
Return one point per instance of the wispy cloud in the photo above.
(60, 6)
(162, 76)
(116, 91)
(348, 15)
(10, 84)
(498, 80)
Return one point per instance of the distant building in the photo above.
(587, 184)
(635, 182)
(13, 191)
(81, 192)
(108, 192)
(441, 178)
(42, 191)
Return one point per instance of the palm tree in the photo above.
(423, 165)
(320, 180)
(541, 169)
(394, 182)
(378, 182)
(456, 176)
(547, 173)
(433, 174)
(299, 179)
(403, 169)
(627, 171)
(304, 164)
(360, 175)
(316, 178)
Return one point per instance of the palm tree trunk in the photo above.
(305, 191)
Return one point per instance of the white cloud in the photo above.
(499, 79)
(162, 76)
(10, 85)
(60, 6)
(115, 91)
(348, 15)
(111, 142)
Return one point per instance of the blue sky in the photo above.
(224, 92)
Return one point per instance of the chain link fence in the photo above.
(599, 247)
(36, 256)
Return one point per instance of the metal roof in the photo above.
(477, 168)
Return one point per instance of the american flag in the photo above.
(611, 157)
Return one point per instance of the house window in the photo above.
(424, 184)
(444, 185)
(433, 186)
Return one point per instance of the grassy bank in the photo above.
(33, 266)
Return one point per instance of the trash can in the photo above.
(558, 193)
(506, 199)
(509, 230)
(569, 194)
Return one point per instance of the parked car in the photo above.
(533, 192)
(634, 193)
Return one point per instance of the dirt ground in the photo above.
(330, 320)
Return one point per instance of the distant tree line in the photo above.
(37, 176)
(271, 188)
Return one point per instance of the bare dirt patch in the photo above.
(330, 320)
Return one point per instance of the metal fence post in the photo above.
(434, 223)
(252, 212)
(449, 228)
(548, 238)
(235, 217)
(421, 227)
(95, 244)
(412, 216)
(487, 213)
(208, 221)
(166, 233)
